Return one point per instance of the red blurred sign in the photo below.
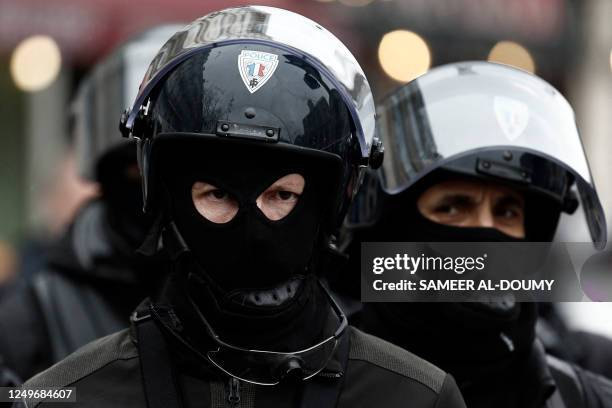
(85, 29)
(531, 20)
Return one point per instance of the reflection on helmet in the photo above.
(294, 34)
(493, 121)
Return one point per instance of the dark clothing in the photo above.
(496, 364)
(595, 352)
(86, 290)
(24, 339)
(107, 373)
(588, 350)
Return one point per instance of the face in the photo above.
(275, 202)
(473, 203)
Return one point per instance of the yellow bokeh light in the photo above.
(511, 53)
(404, 55)
(35, 63)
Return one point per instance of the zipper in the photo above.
(233, 395)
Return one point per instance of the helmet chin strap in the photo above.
(173, 241)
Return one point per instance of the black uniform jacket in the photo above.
(87, 289)
(107, 373)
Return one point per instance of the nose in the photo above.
(484, 214)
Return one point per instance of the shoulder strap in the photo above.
(324, 392)
(43, 288)
(23, 342)
(156, 369)
(68, 309)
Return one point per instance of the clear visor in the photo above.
(461, 109)
(106, 91)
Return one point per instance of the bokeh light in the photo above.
(404, 55)
(511, 53)
(35, 63)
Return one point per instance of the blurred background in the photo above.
(46, 46)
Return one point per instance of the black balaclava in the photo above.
(470, 340)
(250, 251)
(477, 341)
(253, 275)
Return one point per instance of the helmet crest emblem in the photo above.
(256, 68)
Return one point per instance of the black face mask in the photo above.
(430, 231)
(250, 251)
(474, 340)
(247, 275)
(471, 340)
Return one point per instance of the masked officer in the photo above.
(253, 126)
(480, 152)
(92, 279)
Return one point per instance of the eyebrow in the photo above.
(510, 199)
(455, 198)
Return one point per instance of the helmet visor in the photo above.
(468, 108)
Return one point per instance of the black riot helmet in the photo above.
(291, 81)
(239, 99)
(489, 121)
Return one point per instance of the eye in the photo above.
(446, 209)
(218, 194)
(278, 200)
(453, 205)
(508, 213)
(509, 209)
(213, 203)
(284, 195)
